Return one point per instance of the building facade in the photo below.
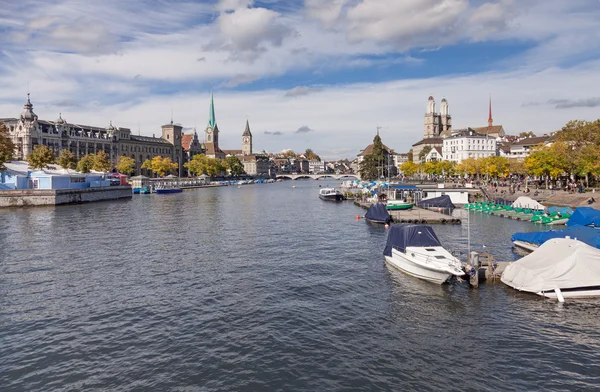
(28, 131)
(466, 144)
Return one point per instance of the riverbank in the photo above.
(548, 197)
(53, 197)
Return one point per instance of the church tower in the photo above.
(431, 125)
(490, 119)
(211, 133)
(172, 134)
(247, 140)
(26, 130)
(446, 119)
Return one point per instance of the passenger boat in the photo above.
(560, 268)
(331, 194)
(416, 251)
(162, 190)
(377, 213)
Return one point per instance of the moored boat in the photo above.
(399, 205)
(330, 194)
(560, 268)
(167, 189)
(416, 251)
(377, 213)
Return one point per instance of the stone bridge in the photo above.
(317, 176)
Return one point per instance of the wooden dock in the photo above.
(416, 215)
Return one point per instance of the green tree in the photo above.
(424, 153)
(7, 147)
(234, 165)
(410, 155)
(41, 157)
(310, 155)
(446, 168)
(409, 168)
(86, 163)
(67, 160)
(580, 133)
(160, 166)
(549, 161)
(125, 165)
(526, 134)
(374, 164)
(102, 162)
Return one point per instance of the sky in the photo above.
(318, 74)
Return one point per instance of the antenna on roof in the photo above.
(171, 115)
(138, 128)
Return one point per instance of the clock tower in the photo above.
(247, 140)
(212, 131)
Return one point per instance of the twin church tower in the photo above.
(436, 123)
(211, 136)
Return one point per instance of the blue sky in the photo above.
(332, 69)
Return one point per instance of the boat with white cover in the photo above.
(560, 268)
(416, 251)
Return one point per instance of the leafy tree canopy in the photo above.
(201, 164)
(125, 165)
(234, 165)
(424, 152)
(102, 162)
(160, 166)
(41, 157)
(7, 147)
(86, 163)
(67, 160)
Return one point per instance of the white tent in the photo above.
(527, 202)
(558, 263)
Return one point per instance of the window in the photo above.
(77, 179)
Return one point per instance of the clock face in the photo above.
(209, 131)
(246, 140)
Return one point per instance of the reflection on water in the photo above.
(266, 287)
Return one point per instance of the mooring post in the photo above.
(474, 262)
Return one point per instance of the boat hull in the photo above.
(336, 197)
(167, 191)
(399, 206)
(404, 264)
(529, 247)
(579, 292)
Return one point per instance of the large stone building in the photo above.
(254, 164)
(28, 131)
(467, 143)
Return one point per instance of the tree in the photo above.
(160, 166)
(7, 147)
(67, 160)
(374, 164)
(41, 157)
(409, 168)
(424, 153)
(580, 133)
(125, 165)
(526, 134)
(234, 165)
(102, 162)
(549, 161)
(410, 155)
(446, 168)
(310, 155)
(86, 163)
(289, 154)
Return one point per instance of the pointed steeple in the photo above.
(490, 119)
(212, 121)
(247, 130)
(27, 114)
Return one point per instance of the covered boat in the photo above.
(527, 203)
(416, 251)
(437, 202)
(585, 216)
(377, 213)
(530, 241)
(560, 268)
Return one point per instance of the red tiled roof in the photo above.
(186, 141)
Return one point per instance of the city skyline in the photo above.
(306, 74)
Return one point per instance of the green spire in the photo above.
(212, 121)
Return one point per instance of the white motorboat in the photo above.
(331, 194)
(416, 251)
(560, 268)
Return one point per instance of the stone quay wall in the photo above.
(48, 197)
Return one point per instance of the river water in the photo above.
(265, 287)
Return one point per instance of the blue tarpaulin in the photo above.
(585, 216)
(439, 202)
(378, 213)
(586, 234)
(401, 236)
